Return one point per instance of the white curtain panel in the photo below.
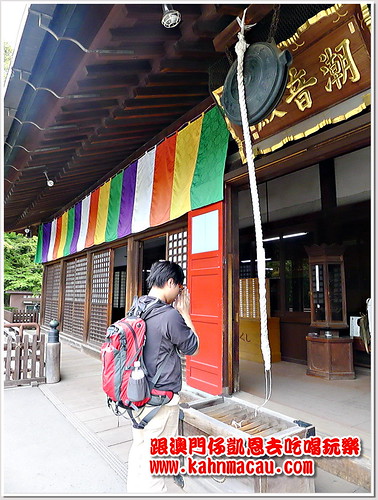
(143, 192)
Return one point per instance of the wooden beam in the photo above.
(153, 32)
(198, 48)
(172, 91)
(186, 65)
(154, 12)
(231, 9)
(72, 117)
(71, 133)
(105, 150)
(89, 106)
(177, 79)
(137, 51)
(141, 120)
(162, 111)
(210, 27)
(149, 103)
(109, 81)
(343, 138)
(118, 68)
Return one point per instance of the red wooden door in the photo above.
(205, 283)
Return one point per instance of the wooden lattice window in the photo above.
(249, 298)
(178, 248)
(98, 313)
(74, 297)
(177, 251)
(119, 288)
(51, 292)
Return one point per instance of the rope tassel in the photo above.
(240, 48)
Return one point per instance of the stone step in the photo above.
(354, 470)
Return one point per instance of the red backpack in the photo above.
(123, 346)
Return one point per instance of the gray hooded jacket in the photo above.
(167, 333)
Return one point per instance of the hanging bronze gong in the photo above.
(265, 79)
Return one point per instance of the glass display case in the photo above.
(327, 288)
(329, 355)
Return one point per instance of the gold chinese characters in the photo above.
(298, 88)
(339, 65)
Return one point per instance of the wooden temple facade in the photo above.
(146, 167)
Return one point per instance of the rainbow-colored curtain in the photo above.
(183, 172)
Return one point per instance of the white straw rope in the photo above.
(240, 48)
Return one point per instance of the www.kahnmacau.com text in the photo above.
(209, 466)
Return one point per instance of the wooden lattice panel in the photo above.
(98, 314)
(116, 289)
(249, 298)
(74, 300)
(52, 286)
(177, 252)
(122, 291)
(119, 289)
(178, 248)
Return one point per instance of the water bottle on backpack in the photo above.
(137, 372)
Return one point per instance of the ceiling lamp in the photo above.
(50, 182)
(171, 17)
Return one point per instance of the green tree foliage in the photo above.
(20, 270)
(7, 58)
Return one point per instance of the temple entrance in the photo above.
(119, 283)
(153, 249)
(294, 218)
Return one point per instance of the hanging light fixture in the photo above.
(50, 182)
(171, 17)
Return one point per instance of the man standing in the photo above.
(170, 331)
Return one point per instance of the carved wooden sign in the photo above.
(331, 63)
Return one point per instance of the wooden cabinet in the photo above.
(330, 358)
(327, 287)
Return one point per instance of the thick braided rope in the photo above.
(240, 49)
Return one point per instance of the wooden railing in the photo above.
(14, 329)
(24, 355)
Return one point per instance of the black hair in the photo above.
(162, 271)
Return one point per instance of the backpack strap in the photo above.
(148, 308)
(142, 424)
(140, 309)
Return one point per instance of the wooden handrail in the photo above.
(26, 326)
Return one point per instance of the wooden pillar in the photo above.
(327, 184)
(111, 282)
(61, 292)
(329, 225)
(231, 291)
(132, 271)
(43, 296)
(88, 292)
